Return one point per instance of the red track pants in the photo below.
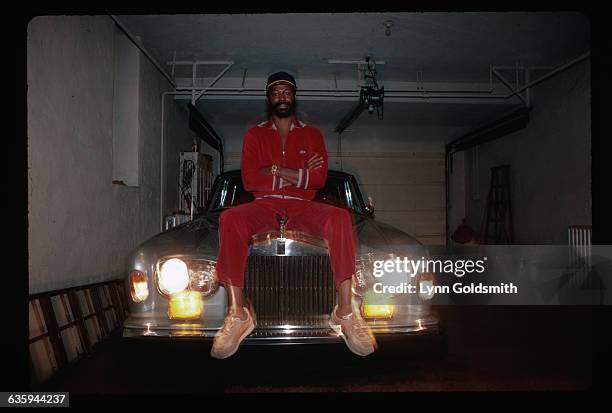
(238, 224)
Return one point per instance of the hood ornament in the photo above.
(282, 220)
(280, 242)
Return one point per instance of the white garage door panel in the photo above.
(399, 168)
(407, 189)
(405, 197)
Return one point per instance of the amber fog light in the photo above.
(377, 306)
(185, 305)
(139, 288)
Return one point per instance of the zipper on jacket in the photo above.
(283, 163)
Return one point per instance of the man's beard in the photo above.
(284, 112)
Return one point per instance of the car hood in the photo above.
(200, 237)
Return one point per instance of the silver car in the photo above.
(173, 289)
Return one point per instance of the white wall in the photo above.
(81, 226)
(550, 162)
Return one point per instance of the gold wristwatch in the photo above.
(274, 170)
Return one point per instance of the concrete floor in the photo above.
(488, 349)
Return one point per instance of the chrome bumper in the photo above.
(280, 335)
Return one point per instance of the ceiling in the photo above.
(446, 47)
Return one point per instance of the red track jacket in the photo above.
(262, 147)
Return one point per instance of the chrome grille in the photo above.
(290, 290)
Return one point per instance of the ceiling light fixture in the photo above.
(388, 25)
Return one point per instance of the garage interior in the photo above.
(108, 116)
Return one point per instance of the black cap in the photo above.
(280, 77)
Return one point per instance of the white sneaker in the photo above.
(228, 338)
(354, 331)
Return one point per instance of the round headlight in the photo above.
(203, 277)
(173, 276)
(363, 278)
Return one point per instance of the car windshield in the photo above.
(338, 190)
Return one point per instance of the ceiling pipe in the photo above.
(143, 50)
(200, 62)
(355, 62)
(335, 90)
(331, 94)
(416, 93)
(425, 93)
(508, 85)
(245, 89)
(219, 76)
(515, 67)
(302, 91)
(554, 72)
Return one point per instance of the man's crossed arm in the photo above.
(292, 175)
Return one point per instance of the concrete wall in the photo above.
(550, 163)
(81, 226)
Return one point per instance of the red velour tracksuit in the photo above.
(262, 147)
